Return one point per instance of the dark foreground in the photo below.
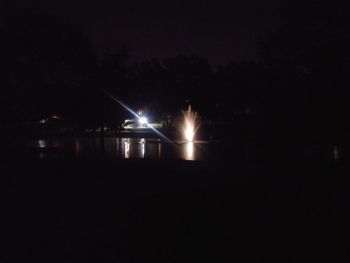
(94, 210)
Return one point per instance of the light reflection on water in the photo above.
(189, 152)
(154, 148)
(42, 143)
(126, 148)
(120, 148)
(132, 148)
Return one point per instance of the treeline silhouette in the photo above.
(297, 87)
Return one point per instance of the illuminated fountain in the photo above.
(190, 125)
(188, 128)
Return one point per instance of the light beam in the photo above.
(138, 117)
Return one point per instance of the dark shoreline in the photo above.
(93, 209)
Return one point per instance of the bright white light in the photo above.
(189, 151)
(142, 148)
(143, 120)
(137, 116)
(42, 144)
(189, 132)
(190, 124)
(126, 148)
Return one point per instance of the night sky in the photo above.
(217, 30)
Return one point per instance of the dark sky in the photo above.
(217, 30)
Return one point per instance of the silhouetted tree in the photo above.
(150, 82)
(308, 62)
(45, 65)
(113, 76)
(189, 81)
(169, 86)
(238, 90)
(116, 71)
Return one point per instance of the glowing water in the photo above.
(189, 152)
(190, 124)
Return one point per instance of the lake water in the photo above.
(121, 148)
(155, 148)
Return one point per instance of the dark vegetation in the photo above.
(274, 208)
(297, 86)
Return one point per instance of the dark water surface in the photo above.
(122, 148)
(144, 210)
(140, 200)
(157, 149)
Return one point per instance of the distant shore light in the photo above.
(143, 120)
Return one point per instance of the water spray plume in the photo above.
(190, 125)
